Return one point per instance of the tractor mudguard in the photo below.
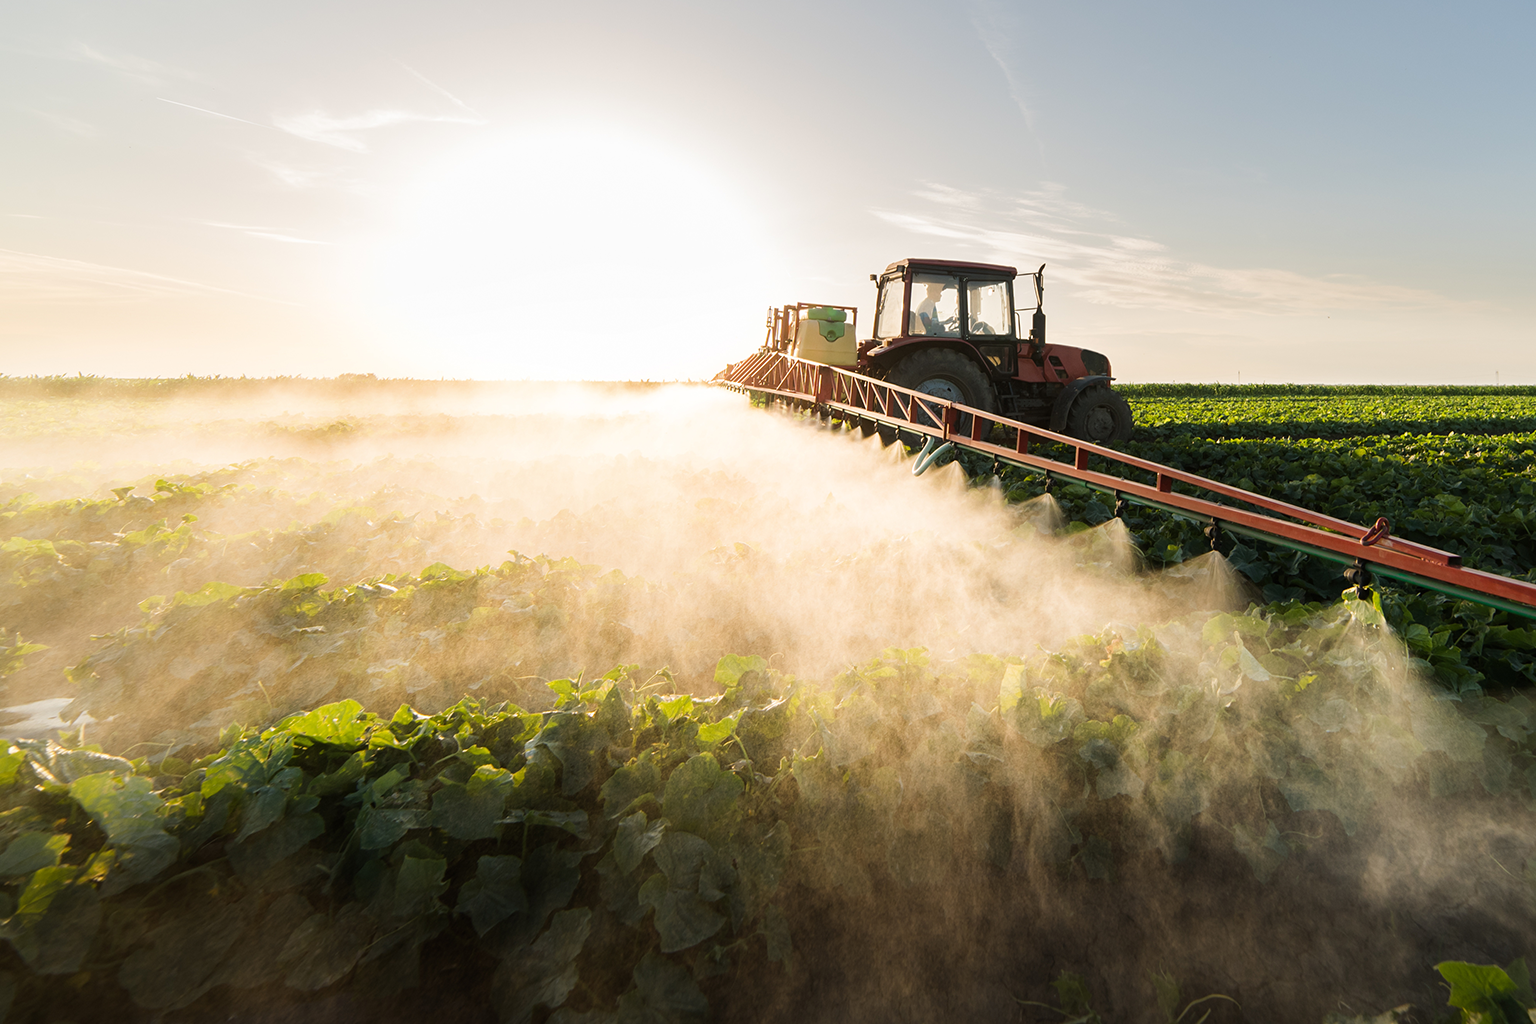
(885, 355)
(1069, 395)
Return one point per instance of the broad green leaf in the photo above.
(9, 763)
(380, 828)
(385, 784)
(494, 894)
(128, 811)
(716, 732)
(549, 877)
(699, 794)
(574, 822)
(418, 885)
(691, 864)
(251, 763)
(613, 713)
(343, 724)
(1011, 690)
(632, 840)
(545, 974)
(211, 593)
(471, 811)
(55, 921)
(1483, 989)
(577, 743)
(1250, 665)
(263, 806)
(682, 919)
(343, 779)
(30, 851)
(692, 876)
(42, 887)
(628, 784)
(730, 669)
(677, 707)
(273, 845)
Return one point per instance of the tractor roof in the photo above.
(953, 266)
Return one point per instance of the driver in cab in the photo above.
(926, 318)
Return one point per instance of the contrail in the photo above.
(424, 80)
(215, 113)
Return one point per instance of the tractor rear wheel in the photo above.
(947, 374)
(1100, 415)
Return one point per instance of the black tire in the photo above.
(1100, 415)
(945, 373)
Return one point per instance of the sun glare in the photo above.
(572, 254)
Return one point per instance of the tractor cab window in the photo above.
(892, 300)
(935, 306)
(986, 306)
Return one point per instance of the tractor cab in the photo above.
(966, 306)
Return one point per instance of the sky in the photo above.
(1308, 192)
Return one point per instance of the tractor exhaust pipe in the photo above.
(1037, 325)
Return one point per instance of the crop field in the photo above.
(357, 699)
(1294, 411)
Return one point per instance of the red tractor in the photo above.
(951, 330)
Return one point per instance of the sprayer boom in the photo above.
(941, 425)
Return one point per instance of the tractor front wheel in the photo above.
(1100, 415)
(947, 374)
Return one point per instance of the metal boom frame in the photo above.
(854, 398)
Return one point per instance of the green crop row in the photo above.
(1404, 391)
(1330, 416)
(1475, 496)
(616, 851)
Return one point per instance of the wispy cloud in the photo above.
(1116, 268)
(138, 69)
(64, 122)
(340, 132)
(261, 232)
(307, 177)
(51, 280)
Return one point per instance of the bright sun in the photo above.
(573, 254)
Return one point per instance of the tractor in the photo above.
(951, 329)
